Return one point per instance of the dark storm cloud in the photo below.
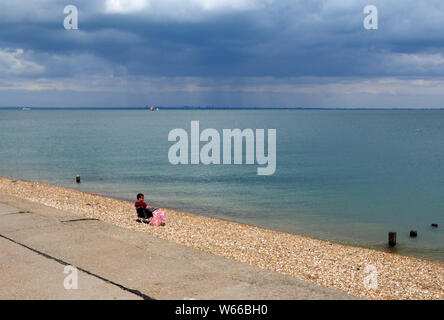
(283, 38)
(299, 42)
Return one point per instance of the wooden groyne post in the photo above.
(392, 239)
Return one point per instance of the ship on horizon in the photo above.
(152, 108)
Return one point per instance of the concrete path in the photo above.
(38, 242)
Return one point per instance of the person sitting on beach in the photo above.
(143, 210)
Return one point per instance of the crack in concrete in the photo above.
(133, 291)
(83, 219)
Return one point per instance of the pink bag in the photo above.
(158, 218)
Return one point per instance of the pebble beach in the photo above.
(364, 273)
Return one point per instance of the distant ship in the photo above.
(153, 108)
(26, 109)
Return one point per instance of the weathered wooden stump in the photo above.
(413, 233)
(78, 179)
(392, 239)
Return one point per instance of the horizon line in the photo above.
(217, 108)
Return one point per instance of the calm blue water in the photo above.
(346, 176)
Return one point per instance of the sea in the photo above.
(347, 176)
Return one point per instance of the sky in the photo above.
(250, 53)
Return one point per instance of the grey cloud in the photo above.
(227, 44)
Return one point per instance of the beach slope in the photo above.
(360, 272)
(37, 243)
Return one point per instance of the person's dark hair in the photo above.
(140, 195)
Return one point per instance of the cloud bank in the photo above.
(213, 52)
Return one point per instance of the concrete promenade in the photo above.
(37, 243)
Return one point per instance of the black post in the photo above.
(78, 179)
(392, 239)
